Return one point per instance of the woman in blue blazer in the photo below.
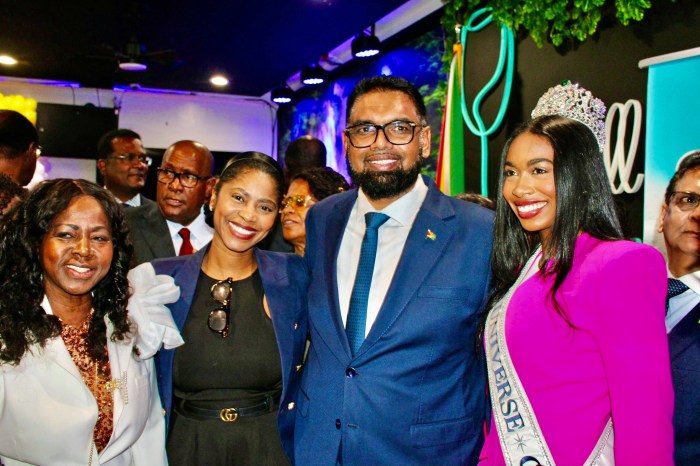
(229, 392)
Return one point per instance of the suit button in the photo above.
(337, 424)
(296, 325)
(298, 367)
(290, 406)
(350, 372)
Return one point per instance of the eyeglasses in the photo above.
(297, 202)
(218, 318)
(132, 158)
(397, 132)
(188, 180)
(685, 200)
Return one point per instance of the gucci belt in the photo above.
(229, 414)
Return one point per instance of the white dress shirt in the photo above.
(679, 306)
(133, 202)
(200, 233)
(392, 238)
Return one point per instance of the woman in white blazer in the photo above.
(77, 383)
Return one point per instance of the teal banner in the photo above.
(673, 127)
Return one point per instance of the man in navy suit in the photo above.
(412, 390)
(680, 225)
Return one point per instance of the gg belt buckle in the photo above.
(228, 414)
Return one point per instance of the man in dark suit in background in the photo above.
(680, 225)
(123, 166)
(399, 278)
(175, 224)
(302, 154)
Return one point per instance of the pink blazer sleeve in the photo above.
(629, 300)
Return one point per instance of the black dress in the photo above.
(212, 372)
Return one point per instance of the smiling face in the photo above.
(124, 178)
(245, 210)
(293, 217)
(528, 184)
(383, 170)
(76, 252)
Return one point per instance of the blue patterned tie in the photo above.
(357, 313)
(675, 287)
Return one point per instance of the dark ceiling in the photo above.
(257, 44)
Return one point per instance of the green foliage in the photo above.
(558, 21)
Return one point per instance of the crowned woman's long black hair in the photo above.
(584, 204)
(23, 322)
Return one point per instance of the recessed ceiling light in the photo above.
(218, 80)
(132, 65)
(312, 75)
(7, 60)
(365, 45)
(281, 95)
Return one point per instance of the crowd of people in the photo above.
(276, 316)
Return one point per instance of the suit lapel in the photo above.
(328, 320)
(685, 333)
(277, 294)
(425, 244)
(120, 357)
(157, 233)
(56, 350)
(188, 284)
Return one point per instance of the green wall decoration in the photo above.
(558, 21)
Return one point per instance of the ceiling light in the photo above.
(219, 80)
(312, 75)
(7, 60)
(132, 65)
(364, 45)
(281, 95)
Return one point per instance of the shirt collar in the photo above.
(133, 202)
(690, 279)
(404, 209)
(197, 227)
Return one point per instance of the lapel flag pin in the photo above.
(431, 236)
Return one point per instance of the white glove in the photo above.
(150, 293)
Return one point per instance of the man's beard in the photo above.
(386, 184)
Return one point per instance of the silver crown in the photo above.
(573, 101)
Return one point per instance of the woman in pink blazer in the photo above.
(577, 352)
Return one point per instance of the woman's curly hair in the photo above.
(323, 181)
(23, 322)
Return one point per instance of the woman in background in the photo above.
(77, 382)
(306, 189)
(576, 346)
(242, 316)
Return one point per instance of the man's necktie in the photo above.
(675, 287)
(357, 313)
(186, 248)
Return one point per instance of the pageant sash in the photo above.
(519, 433)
